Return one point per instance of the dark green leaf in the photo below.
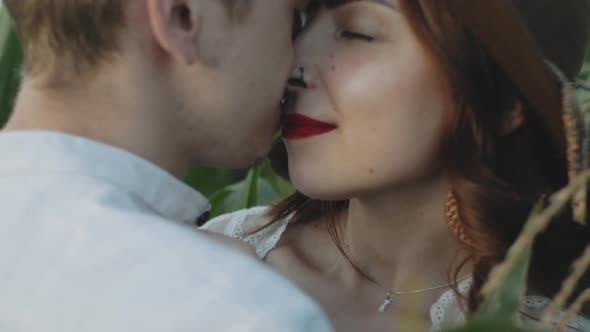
(282, 187)
(10, 63)
(210, 180)
(507, 300)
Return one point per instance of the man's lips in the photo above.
(298, 126)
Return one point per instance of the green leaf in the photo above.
(10, 63)
(255, 190)
(585, 73)
(248, 193)
(506, 296)
(283, 187)
(220, 203)
(506, 301)
(210, 180)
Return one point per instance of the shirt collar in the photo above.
(42, 152)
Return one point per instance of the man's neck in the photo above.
(110, 113)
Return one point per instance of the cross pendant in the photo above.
(386, 303)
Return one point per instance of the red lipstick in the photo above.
(298, 126)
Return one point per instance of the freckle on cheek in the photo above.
(371, 171)
(333, 67)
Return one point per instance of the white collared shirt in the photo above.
(93, 238)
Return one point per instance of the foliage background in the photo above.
(231, 190)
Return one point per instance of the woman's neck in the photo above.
(397, 235)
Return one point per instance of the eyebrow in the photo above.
(391, 4)
(386, 3)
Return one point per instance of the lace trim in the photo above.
(439, 313)
(267, 239)
(534, 306)
(243, 222)
(446, 311)
(235, 227)
(273, 240)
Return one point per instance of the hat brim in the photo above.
(505, 37)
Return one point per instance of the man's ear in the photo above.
(175, 26)
(513, 120)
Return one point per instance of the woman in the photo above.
(402, 115)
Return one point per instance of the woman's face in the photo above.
(379, 98)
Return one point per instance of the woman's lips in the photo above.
(298, 126)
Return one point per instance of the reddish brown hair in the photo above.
(496, 177)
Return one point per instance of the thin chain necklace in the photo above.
(389, 298)
(390, 294)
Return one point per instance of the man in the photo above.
(118, 100)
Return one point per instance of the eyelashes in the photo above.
(355, 36)
(302, 18)
(298, 23)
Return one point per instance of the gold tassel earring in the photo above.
(453, 218)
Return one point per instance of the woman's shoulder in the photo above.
(534, 307)
(252, 226)
(447, 311)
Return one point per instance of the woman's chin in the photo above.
(319, 189)
(315, 180)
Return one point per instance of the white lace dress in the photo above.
(444, 312)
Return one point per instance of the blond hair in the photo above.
(66, 35)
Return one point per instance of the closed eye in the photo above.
(298, 22)
(355, 35)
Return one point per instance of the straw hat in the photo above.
(521, 34)
(541, 46)
(560, 28)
